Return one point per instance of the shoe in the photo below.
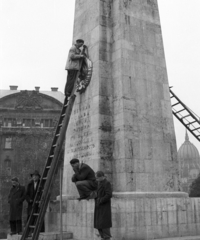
(92, 195)
(81, 198)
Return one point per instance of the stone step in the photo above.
(181, 238)
(55, 236)
(45, 236)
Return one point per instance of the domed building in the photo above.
(189, 163)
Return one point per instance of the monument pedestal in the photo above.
(134, 215)
(123, 126)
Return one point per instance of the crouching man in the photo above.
(84, 178)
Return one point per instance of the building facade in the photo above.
(189, 163)
(27, 123)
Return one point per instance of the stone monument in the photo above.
(123, 125)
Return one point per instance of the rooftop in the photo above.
(52, 93)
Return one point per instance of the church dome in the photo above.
(189, 163)
(188, 152)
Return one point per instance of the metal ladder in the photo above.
(185, 115)
(42, 197)
(34, 224)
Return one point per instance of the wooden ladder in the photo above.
(185, 115)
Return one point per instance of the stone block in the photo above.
(165, 231)
(192, 229)
(55, 236)
(173, 230)
(183, 229)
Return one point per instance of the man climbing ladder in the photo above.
(42, 196)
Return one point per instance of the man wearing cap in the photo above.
(31, 190)
(102, 210)
(15, 199)
(84, 178)
(73, 65)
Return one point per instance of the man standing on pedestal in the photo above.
(73, 65)
(102, 210)
(84, 178)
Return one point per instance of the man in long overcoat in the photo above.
(31, 192)
(15, 199)
(84, 178)
(102, 211)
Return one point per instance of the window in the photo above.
(46, 123)
(28, 122)
(8, 143)
(9, 122)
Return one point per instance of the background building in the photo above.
(27, 123)
(189, 162)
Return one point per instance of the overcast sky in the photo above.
(35, 37)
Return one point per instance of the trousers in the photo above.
(16, 226)
(71, 77)
(85, 188)
(105, 233)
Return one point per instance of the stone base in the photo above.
(135, 216)
(14, 237)
(45, 236)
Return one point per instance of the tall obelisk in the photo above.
(123, 123)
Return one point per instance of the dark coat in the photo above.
(85, 172)
(30, 195)
(102, 210)
(15, 199)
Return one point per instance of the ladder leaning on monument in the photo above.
(34, 224)
(185, 115)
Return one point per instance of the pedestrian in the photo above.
(15, 199)
(31, 191)
(73, 65)
(102, 210)
(84, 178)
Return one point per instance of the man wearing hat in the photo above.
(15, 199)
(102, 210)
(84, 178)
(31, 192)
(73, 65)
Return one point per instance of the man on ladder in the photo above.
(73, 65)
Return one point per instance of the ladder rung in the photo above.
(176, 104)
(54, 145)
(35, 214)
(37, 202)
(44, 178)
(180, 110)
(172, 97)
(195, 129)
(51, 156)
(60, 125)
(63, 115)
(190, 123)
(48, 167)
(185, 116)
(32, 226)
(57, 135)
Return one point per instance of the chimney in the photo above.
(54, 89)
(12, 87)
(37, 89)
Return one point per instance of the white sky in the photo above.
(35, 37)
